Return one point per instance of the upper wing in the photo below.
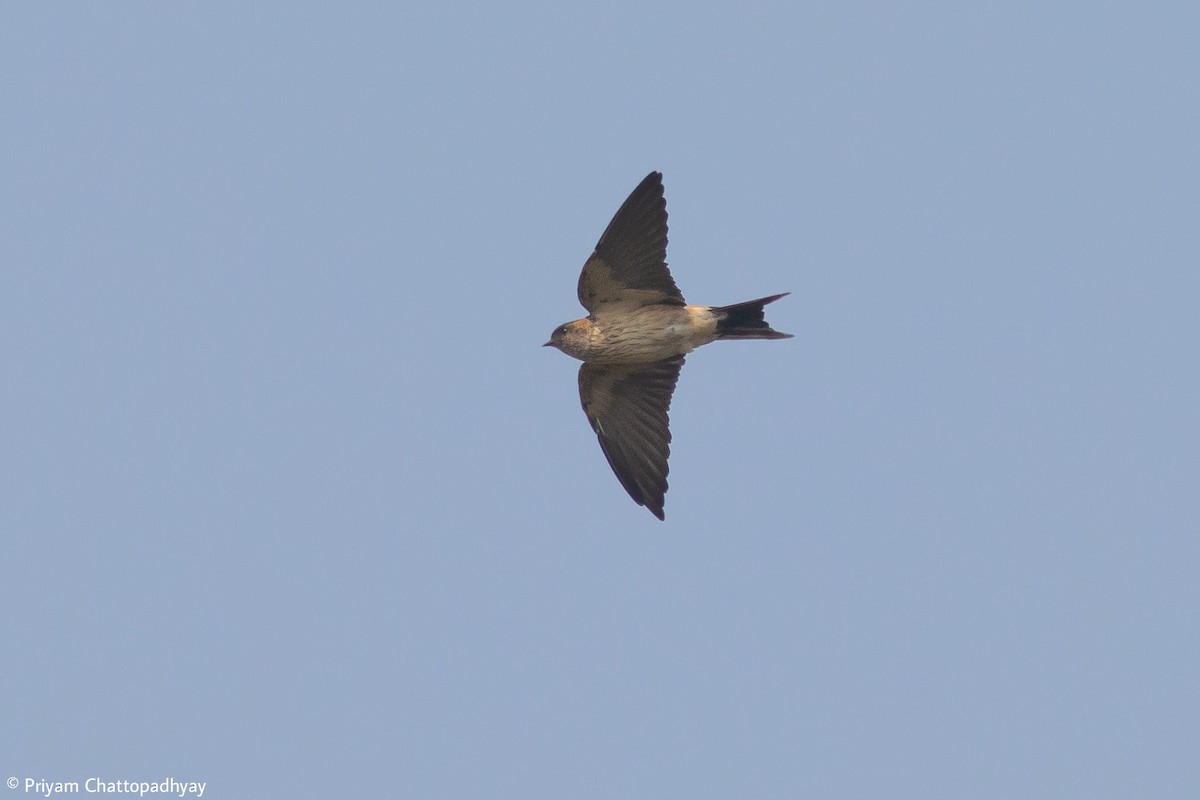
(627, 406)
(629, 266)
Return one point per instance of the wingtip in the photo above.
(653, 178)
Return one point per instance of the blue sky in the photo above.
(295, 504)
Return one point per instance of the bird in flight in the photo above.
(633, 341)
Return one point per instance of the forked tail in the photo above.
(747, 321)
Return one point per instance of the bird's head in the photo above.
(556, 337)
(570, 337)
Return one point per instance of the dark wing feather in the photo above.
(629, 266)
(627, 406)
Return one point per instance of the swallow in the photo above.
(633, 341)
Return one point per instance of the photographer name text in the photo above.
(167, 786)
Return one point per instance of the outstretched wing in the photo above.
(627, 406)
(629, 266)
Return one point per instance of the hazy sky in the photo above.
(295, 504)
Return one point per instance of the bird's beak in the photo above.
(548, 344)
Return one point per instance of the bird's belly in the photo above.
(644, 336)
